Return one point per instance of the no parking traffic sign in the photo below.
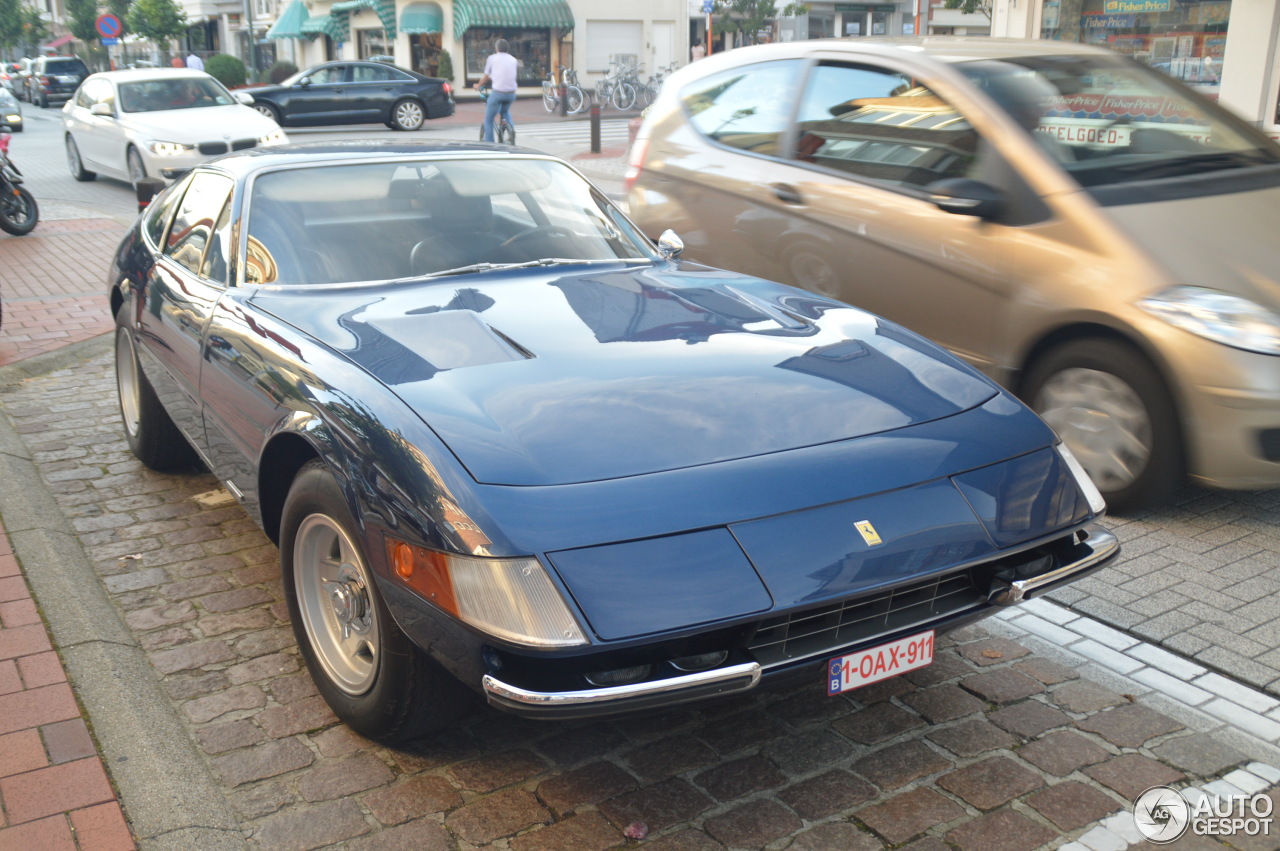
(108, 26)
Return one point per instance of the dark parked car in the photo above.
(496, 433)
(55, 78)
(356, 93)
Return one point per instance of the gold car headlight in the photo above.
(509, 598)
(1218, 316)
(169, 149)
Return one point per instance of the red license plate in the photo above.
(855, 670)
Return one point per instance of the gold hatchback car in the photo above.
(1086, 231)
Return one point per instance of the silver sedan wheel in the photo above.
(127, 383)
(335, 601)
(1102, 420)
(408, 115)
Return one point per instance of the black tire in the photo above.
(268, 110)
(137, 168)
(506, 134)
(1111, 407)
(19, 213)
(549, 99)
(148, 428)
(575, 100)
(408, 114)
(44, 100)
(78, 171)
(372, 676)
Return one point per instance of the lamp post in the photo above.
(253, 47)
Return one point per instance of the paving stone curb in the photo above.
(173, 802)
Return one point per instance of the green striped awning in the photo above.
(510, 13)
(334, 26)
(421, 18)
(348, 5)
(385, 10)
(289, 24)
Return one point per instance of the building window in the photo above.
(531, 48)
(1184, 40)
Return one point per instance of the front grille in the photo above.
(817, 631)
(241, 144)
(213, 148)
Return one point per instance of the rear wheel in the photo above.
(148, 428)
(624, 96)
(1112, 409)
(506, 133)
(18, 212)
(78, 171)
(372, 676)
(549, 99)
(407, 115)
(576, 101)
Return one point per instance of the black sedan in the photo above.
(499, 435)
(356, 93)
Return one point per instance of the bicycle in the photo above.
(575, 98)
(503, 132)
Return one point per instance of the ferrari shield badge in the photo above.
(868, 533)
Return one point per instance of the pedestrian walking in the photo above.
(697, 51)
(194, 61)
(499, 74)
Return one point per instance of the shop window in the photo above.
(530, 47)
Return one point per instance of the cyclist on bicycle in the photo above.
(500, 73)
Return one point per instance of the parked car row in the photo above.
(45, 79)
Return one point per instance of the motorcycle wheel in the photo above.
(18, 211)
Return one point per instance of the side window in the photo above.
(372, 74)
(193, 224)
(881, 125)
(746, 108)
(325, 76)
(98, 91)
(160, 212)
(216, 258)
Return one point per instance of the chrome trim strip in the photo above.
(550, 699)
(1102, 545)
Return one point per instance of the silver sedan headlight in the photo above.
(169, 149)
(1218, 316)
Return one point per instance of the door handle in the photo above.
(787, 194)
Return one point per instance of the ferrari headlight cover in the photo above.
(508, 598)
(1091, 493)
(1218, 316)
(170, 149)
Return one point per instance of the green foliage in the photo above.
(10, 22)
(444, 67)
(82, 15)
(158, 20)
(282, 69)
(749, 17)
(34, 30)
(970, 7)
(120, 8)
(227, 70)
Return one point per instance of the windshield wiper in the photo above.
(1195, 164)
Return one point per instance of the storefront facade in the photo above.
(1225, 49)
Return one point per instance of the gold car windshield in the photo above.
(1109, 121)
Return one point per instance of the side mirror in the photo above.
(103, 109)
(304, 82)
(670, 245)
(966, 197)
(244, 98)
(147, 189)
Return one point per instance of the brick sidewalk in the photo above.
(54, 792)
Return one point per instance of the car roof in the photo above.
(244, 163)
(141, 74)
(939, 48)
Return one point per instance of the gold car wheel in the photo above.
(1102, 420)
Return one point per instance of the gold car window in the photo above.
(747, 108)
(881, 125)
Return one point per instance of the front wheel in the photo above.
(372, 676)
(549, 99)
(137, 170)
(576, 101)
(268, 110)
(407, 115)
(624, 96)
(78, 171)
(18, 211)
(148, 428)
(1111, 407)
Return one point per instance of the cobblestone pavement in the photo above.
(993, 747)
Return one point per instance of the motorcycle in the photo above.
(18, 210)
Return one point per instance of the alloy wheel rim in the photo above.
(409, 115)
(127, 383)
(1102, 420)
(336, 604)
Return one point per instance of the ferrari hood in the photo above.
(538, 379)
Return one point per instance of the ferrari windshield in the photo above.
(383, 221)
(1111, 121)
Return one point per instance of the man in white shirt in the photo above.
(194, 61)
(500, 74)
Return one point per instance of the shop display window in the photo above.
(530, 47)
